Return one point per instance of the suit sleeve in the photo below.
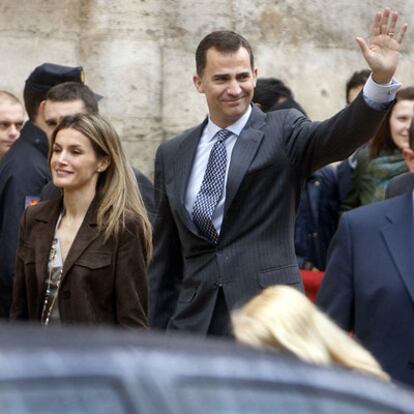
(166, 266)
(131, 284)
(311, 145)
(336, 294)
(19, 307)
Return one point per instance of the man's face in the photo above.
(54, 112)
(11, 122)
(228, 82)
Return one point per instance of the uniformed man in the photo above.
(24, 170)
(11, 120)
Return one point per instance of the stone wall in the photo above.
(139, 54)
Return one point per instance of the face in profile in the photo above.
(11, 122)
(54, 112)
(400, 121)
(74, 163)
(228, 81)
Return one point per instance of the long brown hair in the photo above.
(117, 187)
(382, 141)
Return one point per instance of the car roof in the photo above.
(154, 372)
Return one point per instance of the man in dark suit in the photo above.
(369, 285)
(227, 190)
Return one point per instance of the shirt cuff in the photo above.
(378, 96)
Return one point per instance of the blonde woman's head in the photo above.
(281, 318)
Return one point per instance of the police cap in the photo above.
(48, 74)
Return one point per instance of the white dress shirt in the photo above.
(377, 96)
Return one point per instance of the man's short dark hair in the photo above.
(32, 100)
(72, 91)
(269, 91)
(224, 41)
(358, 78)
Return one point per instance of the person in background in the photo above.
(82, 258)
(283, 319)
(24, 171)
(271, 94)
(368, 287)
(11, 121)
(382, 158)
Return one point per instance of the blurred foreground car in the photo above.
(63, 371)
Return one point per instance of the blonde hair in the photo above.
(117, 186)
(282, 318)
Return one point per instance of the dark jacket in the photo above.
(23, 174)
(102, 282)
(317, 218)
(49, 192)
(368, 287)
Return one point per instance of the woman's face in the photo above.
(400, 120)
(74, 164)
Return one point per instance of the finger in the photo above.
(376, 26)
(393, 24)
(384, 20)
(401, 33)
(363, 46)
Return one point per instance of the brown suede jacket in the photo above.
(102, 282)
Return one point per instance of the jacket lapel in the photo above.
(87, 233)
(244, 151)
(398, 236)
(183, 164)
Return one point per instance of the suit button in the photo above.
(65, 294)
(411, 364)
(317, 183)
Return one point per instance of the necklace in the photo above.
(52, 286)
(53, 281)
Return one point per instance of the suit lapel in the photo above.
(244, 151)
(398, 236)
(183, 164)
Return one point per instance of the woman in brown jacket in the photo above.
(82, 258)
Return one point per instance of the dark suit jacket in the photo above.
(369, 282)
(399, 185)
(145, 186)
(273, 155)
(102, 282)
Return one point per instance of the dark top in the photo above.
(23, 173)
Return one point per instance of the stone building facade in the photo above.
(139, 54)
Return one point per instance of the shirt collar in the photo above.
(235, 128)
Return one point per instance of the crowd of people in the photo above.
(239, 204)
